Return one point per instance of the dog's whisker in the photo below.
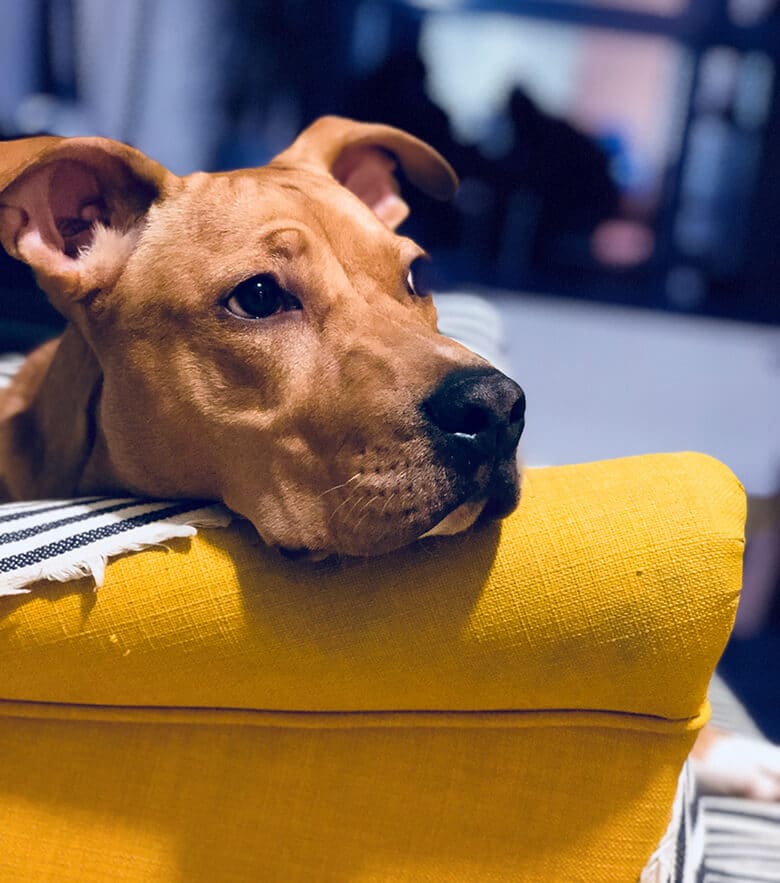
(365, 512)
(340, 506)
(389, 499)
(348, 499)
(337, 486)
(351, 511)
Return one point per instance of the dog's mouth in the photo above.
(457, 521)
(500, 500)
(493, 502)
(458, 466)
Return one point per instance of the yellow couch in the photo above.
(512, 705)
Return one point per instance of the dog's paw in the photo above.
(740, 767)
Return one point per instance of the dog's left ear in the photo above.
(73, 209)
(361, 156)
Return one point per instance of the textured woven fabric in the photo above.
(93, 802)
(513, 704)
(472, 623)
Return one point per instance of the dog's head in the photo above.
(264, 337)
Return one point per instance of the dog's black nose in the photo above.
(479, 404)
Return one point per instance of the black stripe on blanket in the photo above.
(68, 539)
(45, 526)
(77, 541)
(16, 514)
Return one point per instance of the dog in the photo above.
(261, 337)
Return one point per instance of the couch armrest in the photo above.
(612, 589)
(513, 704)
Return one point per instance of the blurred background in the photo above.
(620, 198)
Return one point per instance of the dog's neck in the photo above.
(48, 435)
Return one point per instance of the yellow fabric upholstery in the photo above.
(513, 704)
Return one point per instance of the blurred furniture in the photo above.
(151, 74)
(606, 381)
(740, 838)
(714, 205)
(512, 704)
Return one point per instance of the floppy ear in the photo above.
(362, 156)
(72, 209)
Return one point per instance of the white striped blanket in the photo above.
(67, 539)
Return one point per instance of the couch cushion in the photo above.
(611, 590)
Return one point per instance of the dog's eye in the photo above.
(418, 281)
(260, 297)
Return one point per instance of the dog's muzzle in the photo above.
(475, 418)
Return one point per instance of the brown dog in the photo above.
(258, 337)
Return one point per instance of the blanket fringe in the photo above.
(92, 560)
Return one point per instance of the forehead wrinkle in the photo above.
(285, 241)
(252, 218)
(319, 211)
(312, 217)
(279, 231)
(361, 260)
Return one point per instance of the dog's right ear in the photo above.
(72, 208)
(362, 156)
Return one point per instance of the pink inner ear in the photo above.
(368, 173)
(57, 206)
(76, 204)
